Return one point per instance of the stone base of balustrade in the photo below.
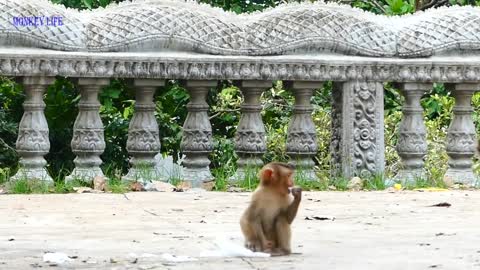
(197, 176)
(409, 177)
(305, 174)
(464, 177)
(247, 167)
(38, 174)
(241, 174)
(84, 174)
(303, 167)
(148, 175)
(251, 173)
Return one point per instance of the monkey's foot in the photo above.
(268, 246)
(279, 252)
(254, 246)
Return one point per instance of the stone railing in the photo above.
(302, 44)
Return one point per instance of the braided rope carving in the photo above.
(159, 25)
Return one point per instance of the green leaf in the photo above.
(104, 3)
(128, 112)
(88, 3)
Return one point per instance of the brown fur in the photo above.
(266, 222)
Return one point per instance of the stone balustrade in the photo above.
(304, 45)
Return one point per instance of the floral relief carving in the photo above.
(410, 142)
(461, 142)
(302, 142)
(196, 140)
(364, 128)
(143, 141)
(250, 141)
(88, 140)
(33, 140)
(234, 68)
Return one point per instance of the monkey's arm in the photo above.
(293, 207)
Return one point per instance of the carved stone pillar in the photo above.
(461, 137)
(143, 136)
(197, 141)
(250, 141)
(301, 137)
(33, 142)
(412, 137)
(358, 146)
(88, 140)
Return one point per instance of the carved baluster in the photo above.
(412, 139)
(358, 146)
(197, 134)
(143, 136)
(88, 140)
(302, 138)
(461, 137)
(250, 138)
(33, 142)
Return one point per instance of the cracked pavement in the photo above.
(333, 230)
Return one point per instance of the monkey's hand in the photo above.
(297, 193)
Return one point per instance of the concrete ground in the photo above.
(333, 230)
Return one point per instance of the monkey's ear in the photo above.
(266, 175)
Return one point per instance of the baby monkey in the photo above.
(274, 204)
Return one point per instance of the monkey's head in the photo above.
(277, 175)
